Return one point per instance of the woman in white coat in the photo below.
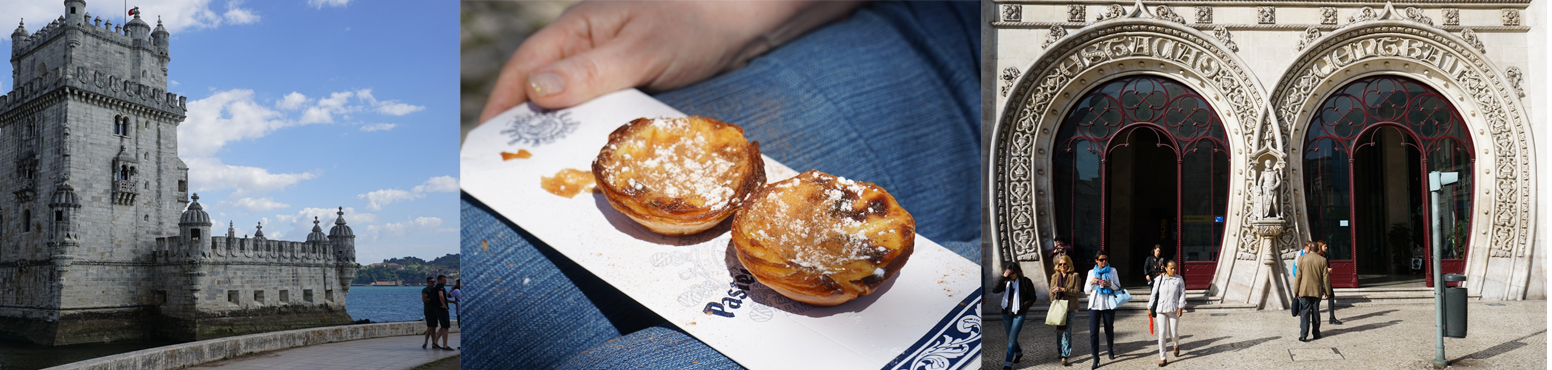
(1166, 304)
(1101, 284)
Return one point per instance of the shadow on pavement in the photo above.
(1368, 315)
(1226, 347)
(1331, 333)
(1502, 348)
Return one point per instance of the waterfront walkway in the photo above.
(1502, 335)
(402, 352)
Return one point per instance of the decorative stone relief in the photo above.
(1222, 34)
(1451, 17)
(1471, 39)
(1496, 109)
(1009, 76)
(1363, 14)
(1075, 13)
(1056, 34)
(1511, 17)
(1416, 15)
(1012, 13)
(1111, 12)
(1031, 112)
(1309, 37)
(1328, 15)
(1165, 13)
(1266, 15)
(1515, 78)
(1204, 14)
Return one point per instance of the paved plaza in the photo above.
(1502, 335)
(374, 354)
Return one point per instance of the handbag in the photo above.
(1120, 297)
(1057, 314)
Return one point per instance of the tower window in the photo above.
(194, 233)
(183, 185)
(26, 220)
(72, 10)
(59, 215)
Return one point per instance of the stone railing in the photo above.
(194, 353)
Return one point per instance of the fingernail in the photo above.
(546, 84)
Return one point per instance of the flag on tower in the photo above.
(135, 11)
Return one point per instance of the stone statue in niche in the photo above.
(1268, 181)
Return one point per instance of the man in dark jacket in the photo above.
(1019, 297)
(1312, 285)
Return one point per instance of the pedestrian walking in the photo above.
(456, 299)
(1308, 246)
(1154, 264)
(1064, 285)
(1018, 296)
(442, 313)
(428, 301)
(1313, 285)
(1166, 304)
(1102, 283)
(1330, 294)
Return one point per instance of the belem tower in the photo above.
(99, 240)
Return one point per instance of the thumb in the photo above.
(587, 75)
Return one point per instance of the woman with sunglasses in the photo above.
(1064, 285)
(1101, 284)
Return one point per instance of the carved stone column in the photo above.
(1270, 289)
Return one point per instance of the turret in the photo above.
(138, 29)
(259, 233)
(343, 239)
(159, 36)
(75, 10)
(19, 37)
(194, 225)
(64, 204)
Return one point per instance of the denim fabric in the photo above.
(1066, 340)
(888, 96)
(1096, 318)
(652, 348)
(1012, 324)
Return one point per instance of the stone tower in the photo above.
(89, 176)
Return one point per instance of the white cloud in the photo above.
(326, 108)
(225, 116)
(174, 83)
(258, 204)
(319, 4)
(206, 174)
(292, 101)
(389, 107)
(378, 127)
(438, 184)
(399, 229)
(376, 199)
(238, 15)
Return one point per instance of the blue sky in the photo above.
(298, 107)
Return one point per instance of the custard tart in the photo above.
(678, 176)
(823, 240)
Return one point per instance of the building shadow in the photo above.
(1331, 333)
(1367, 315)
(1502, 348)
(1226, 347)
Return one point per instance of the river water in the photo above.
(379, 304)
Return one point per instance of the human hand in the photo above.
(599, 47)
(1179, 312)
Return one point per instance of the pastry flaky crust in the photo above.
(678, 176)
(823, 240)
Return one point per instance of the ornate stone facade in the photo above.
(1265, 107)
(95, 245)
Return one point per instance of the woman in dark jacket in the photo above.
(1019, 297)
(1065, 285)
(1154, 265)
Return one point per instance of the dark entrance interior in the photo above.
(1389, 228)
(1143, 200)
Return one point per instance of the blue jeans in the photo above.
(1066, 338)
(1012, 324)
(1098, 319)
(891, 96)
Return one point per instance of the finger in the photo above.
(620, 64)
(543, 47)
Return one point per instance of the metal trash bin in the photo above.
(1454, 307)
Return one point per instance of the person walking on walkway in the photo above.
(1102, 283)
(1166, 303)
(1064, 285)
(1331, 294)
(1308, 246)
(1313, 285)
(1019, 296)
(455, 298)
(442, 313)
(427, 299)
(1154, 264)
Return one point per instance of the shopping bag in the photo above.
(1120, 297)
(1057, 315)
